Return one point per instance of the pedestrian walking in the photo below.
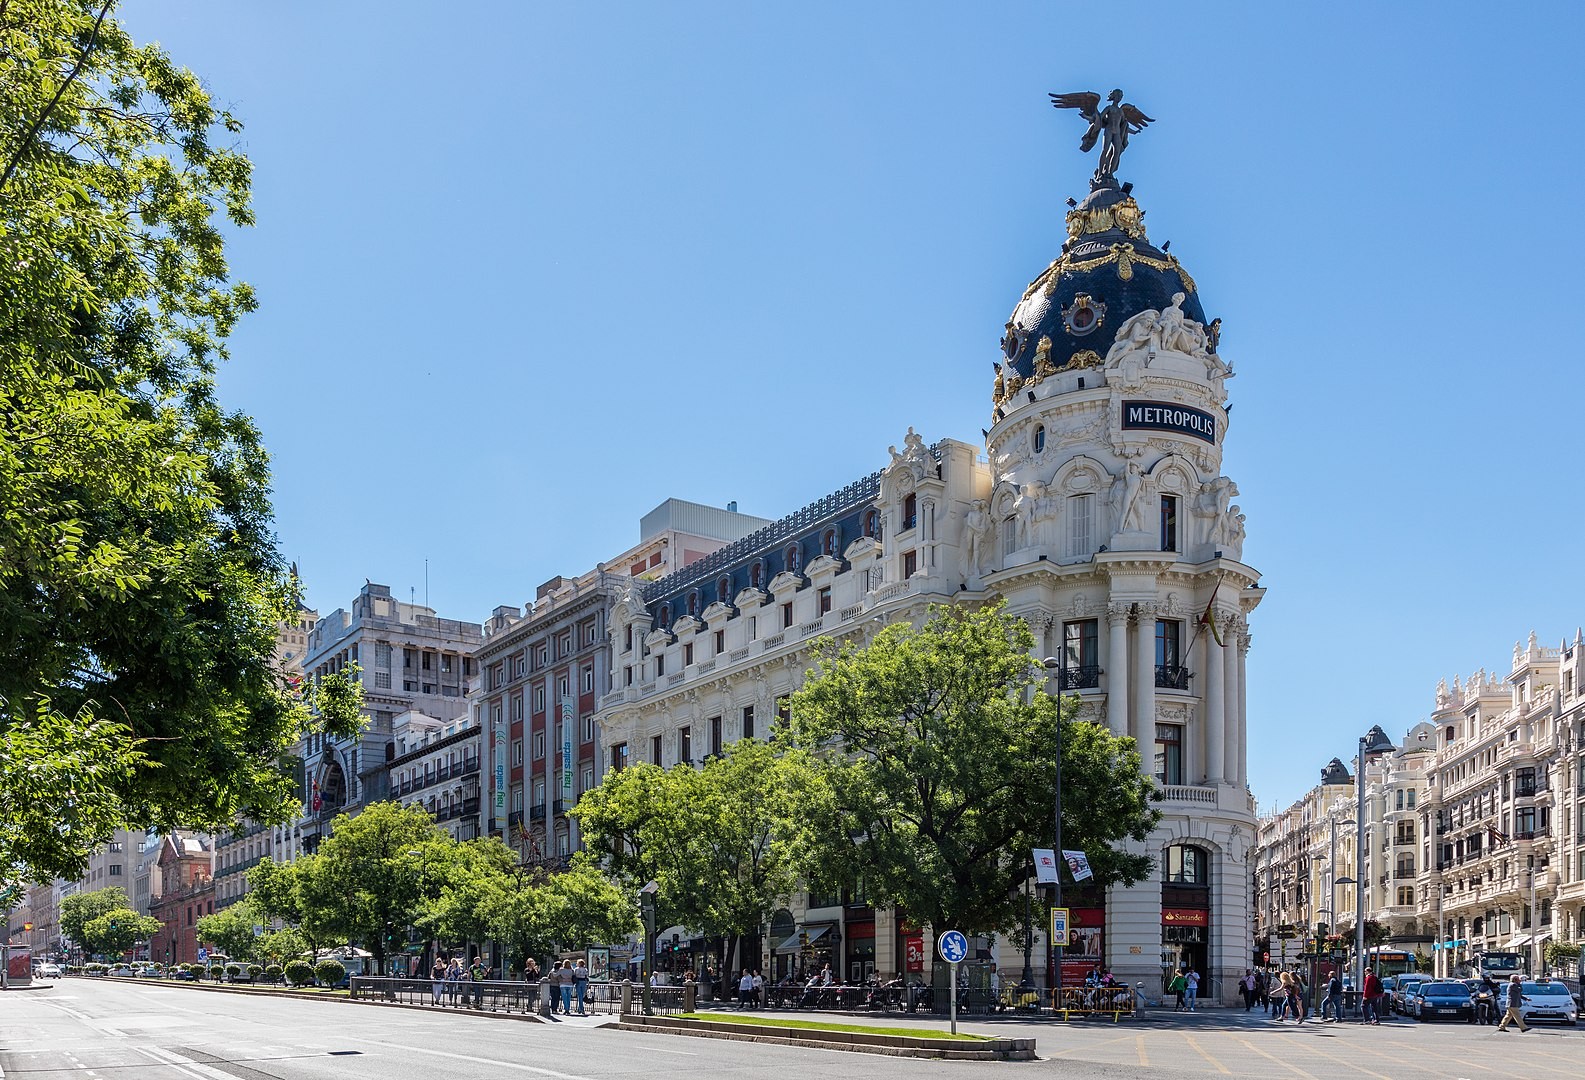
(1246, 989)
(1263, 992)
(1515, 1002)
(758, 995)
(453, 979)
(1178, 987)
(1292, 998)
(1191, 986)
(1371, 995)
(437, 980)
(745, 989)
(1332, 1007)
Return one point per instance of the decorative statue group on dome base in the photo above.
(1111, 124)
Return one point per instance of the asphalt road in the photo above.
(108, 1029)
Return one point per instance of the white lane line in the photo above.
(663, 1050)
(187, 1065)
(497, 1062)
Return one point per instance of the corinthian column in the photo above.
(1243, 710)
(1117, 668)
(1215, 717)
(1232, 691)
(1144, 728)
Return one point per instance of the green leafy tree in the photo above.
(937, 751)
(80, 909)
(469, 879)
(116, 931)
(140, 581)
(285, 892)
(570, 909)
(722, 841)
(276, 947)
(231, 929)
(376, 875)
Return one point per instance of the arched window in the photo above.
(910, 511)
(1040, 438)
(828, 543)
(723, 589)
(693, 602)
(792, 558)
(1450, 733)
(1186, 865)
(665, 616)
(756, 575)
(871, 520)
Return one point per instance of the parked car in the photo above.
(1441, 1000)
(123, 971)
(1573, 989)
(1548, 999)
(1400, 992)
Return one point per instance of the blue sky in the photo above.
(526, 271)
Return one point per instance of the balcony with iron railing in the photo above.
(1173, 677)
(1086, 677)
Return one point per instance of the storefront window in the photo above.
(1185, 865)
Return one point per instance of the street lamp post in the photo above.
(646, 905)
(1373, 741)
(1052, 665)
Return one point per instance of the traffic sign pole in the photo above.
(952, 947)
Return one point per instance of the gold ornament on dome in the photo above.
(999, 392)
(1082, 359)
(1125, 216)
(1124, 255)
(1084, 316)
(1043, 364)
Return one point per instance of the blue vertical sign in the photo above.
(569, 716)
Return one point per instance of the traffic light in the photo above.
(1321, 930)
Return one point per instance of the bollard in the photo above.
(690, 996)
(627, 996)
(545, 990)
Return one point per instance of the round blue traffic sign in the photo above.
(952, 946)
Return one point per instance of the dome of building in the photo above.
(1108, 272)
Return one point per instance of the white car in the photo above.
(122, 971)
(48, 971)
(1546, 999)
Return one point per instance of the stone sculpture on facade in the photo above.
(976, 537)
(1168, 330)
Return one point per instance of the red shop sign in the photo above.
(1177, 916)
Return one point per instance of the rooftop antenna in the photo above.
(426, 582)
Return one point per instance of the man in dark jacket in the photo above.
(1515, 1001)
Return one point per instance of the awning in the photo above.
(794, 943)
(1518, 942)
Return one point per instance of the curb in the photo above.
(852, 1041)
(531, 1018)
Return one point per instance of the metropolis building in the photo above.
(1097, 508)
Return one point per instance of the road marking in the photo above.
(498, 1063)
(663, 1050)
(1223, 1069)
(1139, 1048)
(1273, 1057)
(186, 1066)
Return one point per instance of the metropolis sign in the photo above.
(1165, 416)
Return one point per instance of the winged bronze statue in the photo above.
(1111, 124)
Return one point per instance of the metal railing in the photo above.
(1173, 676)
(1087, 677)
(489, 996)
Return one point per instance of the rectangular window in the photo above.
(1080, 526)
(720, 642)
(627, 639)
(517, 751)
(539, 793)
(619, 757)
(586, 778)
(627, 675)
(1080, 659)
(685, 745)
(409, 659)
(539, 699)
(654, 749)
(564, 645)
(115, 869)
(1169, 523)
(753, 627)
(1524, 823)
(382, 680)
(539, 745)
(1169, 658)
(1169, 754)
(588, 678)
(687, 654)
(382, 657)
(586, 728)
(825, 599)
(910, 563)
(748, 724)
(429, 661)
(445, 662)
(715, 735)
(783, 712)
(786, 615)
(660, 664)
(561, 687)
(517, 706)
(910, 512)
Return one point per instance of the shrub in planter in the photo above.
(273, 973)
(216, 971)
(330, 972)
(299, 973)
(254, 971)
(233, 972)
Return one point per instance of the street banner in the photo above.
(569, 717)
(1078, 865)
(1045, 866)
(500, 778)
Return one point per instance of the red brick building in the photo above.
(186, 869)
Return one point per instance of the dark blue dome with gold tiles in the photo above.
(1108, 272)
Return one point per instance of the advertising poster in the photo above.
(599, 960)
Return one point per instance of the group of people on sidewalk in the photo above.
(449, 979)
(1186, 986)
